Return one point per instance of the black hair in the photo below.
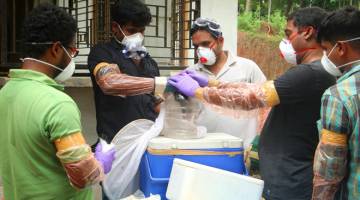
(47, 23)
(308, 17)
(343, 24)
(131, 11)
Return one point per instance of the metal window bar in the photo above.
(184, 12)
(168, 32)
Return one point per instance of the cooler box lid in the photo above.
(210, 141)
(189, 180)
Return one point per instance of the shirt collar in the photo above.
(230, 61)
(352, 71)
(27, 74)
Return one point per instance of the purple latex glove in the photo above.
(201, 79)
(184, 83)
(106, 158)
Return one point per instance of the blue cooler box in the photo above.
(218, 150)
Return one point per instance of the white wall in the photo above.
(84, 98)
(225, 13)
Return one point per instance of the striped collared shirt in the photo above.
(340, 113)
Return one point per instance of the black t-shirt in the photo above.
(114, 112)
(290, 136)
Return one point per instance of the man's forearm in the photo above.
(324, 189)
(330, 163)
(124, 85)
(245, 96)
(113, 82)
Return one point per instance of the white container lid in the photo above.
(193, 181)
(210, 141)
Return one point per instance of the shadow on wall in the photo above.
(264, 51)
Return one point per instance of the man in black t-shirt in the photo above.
(125, 78)
(122, 72)
(289, 137)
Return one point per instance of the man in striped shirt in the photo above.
(337, 158)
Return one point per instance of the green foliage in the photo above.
(278, 22)
(250, 22)
(287, 6)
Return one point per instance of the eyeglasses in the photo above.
(204, 22)
(73, 50)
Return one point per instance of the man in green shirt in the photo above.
(43, 152)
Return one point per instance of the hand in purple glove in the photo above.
(201, 79)
(184, 83)
(106, 158)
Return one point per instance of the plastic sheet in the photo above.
(130, 144)
(113, 82)
(79, 163)
(241, 96)
(74, 154)
(138, 195)
(84, 173)
(330, 165)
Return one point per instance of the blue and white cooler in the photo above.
(217, 150)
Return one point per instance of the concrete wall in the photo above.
(84, 98)
(225, 13)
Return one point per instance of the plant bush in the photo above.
(250, 22)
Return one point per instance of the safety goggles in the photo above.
(206, 24)
(73, 50)
(203, 22)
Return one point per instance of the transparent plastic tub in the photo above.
(180, 119)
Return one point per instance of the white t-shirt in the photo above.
(236, 69)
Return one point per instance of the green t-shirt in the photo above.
(34, 112)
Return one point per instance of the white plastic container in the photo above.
(192, 181)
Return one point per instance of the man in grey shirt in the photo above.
(222, 65)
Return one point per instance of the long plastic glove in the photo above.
(184, 83)
(245, 96)
(330, 164)
(113, 82)
(105, 156)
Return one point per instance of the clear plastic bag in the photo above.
(130, 144)
(180, 117)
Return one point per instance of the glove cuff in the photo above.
(199, 93)
(160, 85)
(213, 83)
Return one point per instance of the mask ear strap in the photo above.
(67, 53)
(332, 49)
(350, 40)
(121, 30)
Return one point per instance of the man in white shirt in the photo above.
(222, 65)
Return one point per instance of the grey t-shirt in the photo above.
(236, 69)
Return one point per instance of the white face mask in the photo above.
(132, 42)
(206, 56)
(330, 67)
(65, 73)
(288, 51)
